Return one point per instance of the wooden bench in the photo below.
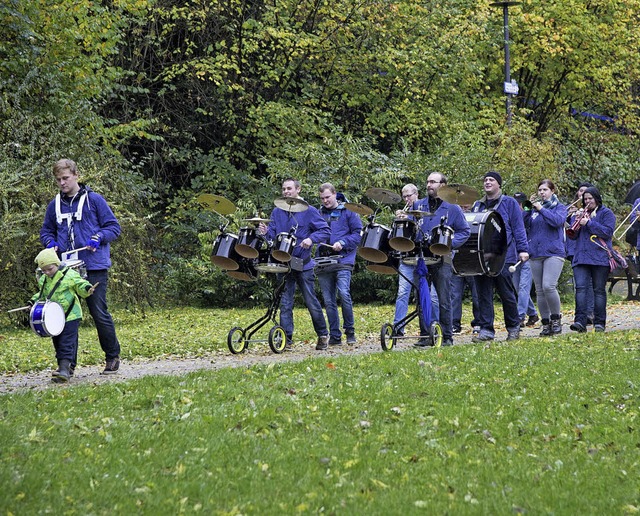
(630, 275)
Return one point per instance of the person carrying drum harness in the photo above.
(78, 217)
(517, 248)
(63, 285)
(334, 275)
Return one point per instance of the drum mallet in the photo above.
(28, 307)
(512, 268)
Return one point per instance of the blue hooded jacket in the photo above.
(310, 224)
(602, 223)
(546, 231)
(96, 218)
(346, 227)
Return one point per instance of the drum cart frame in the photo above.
(238, 338)
(390, 333)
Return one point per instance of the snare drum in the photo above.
(486, 250)
(224, 253)
(47, 318)
(441, 240)
(402, 235)
(390, 266)
(267, 263)
(374, 244)
(249, 243)
(246, 271)
(283, 247)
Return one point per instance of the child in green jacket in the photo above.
(63, 285)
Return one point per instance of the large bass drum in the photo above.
(486, 249)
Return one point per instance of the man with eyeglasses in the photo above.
(440, 272)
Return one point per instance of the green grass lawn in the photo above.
(546, 426)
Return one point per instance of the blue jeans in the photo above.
(97, 303)
(507, 293)
(306, 281)
(404, 294)
(522, 282)
(337, 282)
(457, 294)
(596, 275)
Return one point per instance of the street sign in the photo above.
(511, 88)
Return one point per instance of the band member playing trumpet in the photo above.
(590, 262)
(570, 244)
(635, 219)
(545, 227)
(63, 286)
(517, 249)
(452, 216)
(335, 280)
(309, 228)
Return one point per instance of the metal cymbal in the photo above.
(257, 220)
(458, 194)
(216, 203)
(360, 209)
(382, 195)
(418, 213)
(291, 204)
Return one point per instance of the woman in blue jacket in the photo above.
(545, 226)
(591, 261)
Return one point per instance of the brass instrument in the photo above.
(528, 205)
(572, 232)
(619, 237)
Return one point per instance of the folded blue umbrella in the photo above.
(424, 294)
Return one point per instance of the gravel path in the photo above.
(621, 317)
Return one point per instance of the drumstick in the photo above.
(28, 307)
(513, 268)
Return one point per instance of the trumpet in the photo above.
(572, 232)
(619, 237)
(528, 205)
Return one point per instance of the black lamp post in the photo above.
(510, 87)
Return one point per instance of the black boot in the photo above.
(63, 371)
(546, 328)
(556, 324)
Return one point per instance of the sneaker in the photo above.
(335, 342)
(457, 330)
(289, 345)
(522, 321)
(599, 328)
(112, 366)
(423, 343)
(447, 342)
(579, 327)
(57, 372)
(351, 339)
(533, 319)
(482, 337)
(323, 343)
(513, 334)
(476, 330)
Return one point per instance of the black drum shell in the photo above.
(485, 251)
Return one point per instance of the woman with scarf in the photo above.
(545, 226)
(591, 259)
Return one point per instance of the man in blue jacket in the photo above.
(450, 215)
(517, 249)
(78, 217)
(335, 278)
(309, 228)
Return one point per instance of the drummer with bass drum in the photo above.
(447, 220)
(517, 248)
(302, 228)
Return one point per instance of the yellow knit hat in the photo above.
(47, 257)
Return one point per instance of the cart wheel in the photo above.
(277, 339)
(236, 341)
(387, 338)
(435, 332)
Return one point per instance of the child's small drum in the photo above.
(47, 318)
